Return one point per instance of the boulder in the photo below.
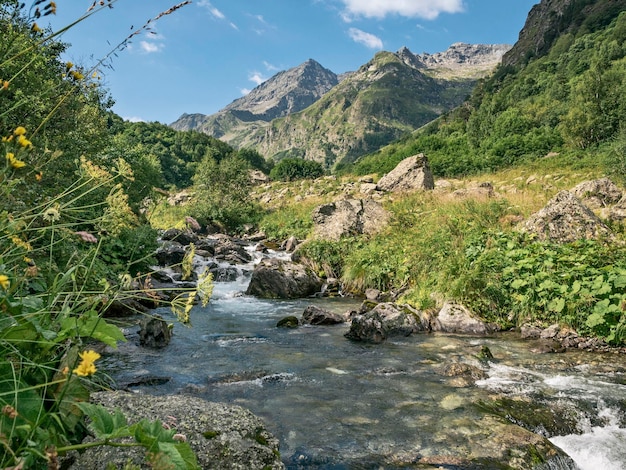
(154, 332)
(170, 253)
(224, 274)
(386, 320)
(290, 321)
(274, 278)
(124, 308)
(565, 219)
(222, 436)
(410, 174)
(349, 217)
(231, 250)
(598, 193)
(455, 318)
(184, 237)
(313, 315)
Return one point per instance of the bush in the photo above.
(291, 169)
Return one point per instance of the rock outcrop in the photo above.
(154, 332)
(455, 318)
(410, 174)
(313, 315)
(386, 320)
(222, 436)
(597, 194)
(274, 278)
(349, 217)
(565, 219)
(374, 323)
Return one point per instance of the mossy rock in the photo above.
(288, 322)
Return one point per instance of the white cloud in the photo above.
(257, 78)
(150, 47)
(270, 67)
(427, 9)
(245, 91)
(212, 10)
(367, 39)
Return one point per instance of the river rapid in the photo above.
(337, 404)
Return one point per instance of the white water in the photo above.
(596, 447)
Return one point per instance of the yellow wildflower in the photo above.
(4, 281)
(5, 85)
(76, 75)
(14, 162)
(86, 366)
(38, 176)
(20, 130)
(24, 142)
(17, 241)
(35, 29)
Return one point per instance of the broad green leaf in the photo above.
(103, 424)
(557, 305)
(595, 319)
(518, 283)
(181, 455)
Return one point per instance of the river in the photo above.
(336, 404)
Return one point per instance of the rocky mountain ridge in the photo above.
(392, 94)
(287, 92)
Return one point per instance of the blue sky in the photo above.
(210, 52)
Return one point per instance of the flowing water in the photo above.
(333, 402)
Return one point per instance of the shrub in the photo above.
(291, 169)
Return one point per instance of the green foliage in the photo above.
(287, 221)
(291, 169)
(67, 231)
(569, 99)
(222, 193)
(326, 257)
(178, 153)
(512, 279)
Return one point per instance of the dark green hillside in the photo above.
(570, 100)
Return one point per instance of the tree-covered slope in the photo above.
(571, 99)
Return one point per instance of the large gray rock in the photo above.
(455, 318)
(410, 174)
(222, 436)
(386, 320)
(565, 219)
(154, 332)
(598, 193)
(314, 315)
(349, 217)
(170, 253)
(274, 278)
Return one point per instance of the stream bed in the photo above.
(337, 404)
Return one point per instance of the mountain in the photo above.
(285, 93)
(310, 112)
(390, 96)
(551, 19)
